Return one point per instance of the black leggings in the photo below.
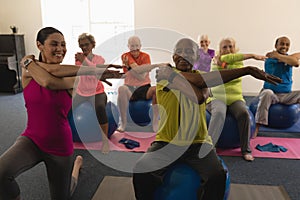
(99, 100)
(139, 92)
(24, 155)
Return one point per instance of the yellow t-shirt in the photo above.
(182, 122)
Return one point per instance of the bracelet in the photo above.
(172, 76)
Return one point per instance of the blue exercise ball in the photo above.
(280, 115)
(84, 123)
(182, 182)
(230, 137)
(140, 112)
(113, 117)
(207, 117)
(227, 186)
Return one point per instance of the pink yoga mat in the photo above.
(292, 144)
(144, 138)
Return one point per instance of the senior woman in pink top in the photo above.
(89, 88)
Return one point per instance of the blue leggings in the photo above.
(22, 156)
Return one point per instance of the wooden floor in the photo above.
(107, 190)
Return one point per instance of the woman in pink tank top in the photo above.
(47, 138)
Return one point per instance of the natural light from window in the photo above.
(102, 18)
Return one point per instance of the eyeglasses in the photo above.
(187, 51)
(227, 46)
(84, 45)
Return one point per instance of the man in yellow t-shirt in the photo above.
(181, 94)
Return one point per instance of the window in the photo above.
(102, 18)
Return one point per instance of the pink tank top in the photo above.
(47, 125)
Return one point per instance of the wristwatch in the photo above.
(172, 76)
(26, 63)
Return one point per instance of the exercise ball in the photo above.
(227, 186)
(140, 112)
(280, 115)
(182, 182)
(84, 123)
(230, 137)
(113, 117)
(207, 117)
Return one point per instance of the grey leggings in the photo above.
(240, 112)
(23, 155)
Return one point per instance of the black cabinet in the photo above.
(12, 50)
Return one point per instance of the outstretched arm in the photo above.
(215, 78)
(60, 70)
(56, 76)
(74, 70)
(254, 56)
(292, 59)
(223, 60)
(138, 71)
(178, 82)
(297, 55)
(44, 78)
(195, 86)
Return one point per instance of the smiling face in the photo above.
(185, 54)
(227, 46)
(282, 45)
(86, 46)
(54, 48)
(134, 45)
(204, 42)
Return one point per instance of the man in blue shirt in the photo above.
(279, 64)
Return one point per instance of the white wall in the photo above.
(254, 24)
(26, 15)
